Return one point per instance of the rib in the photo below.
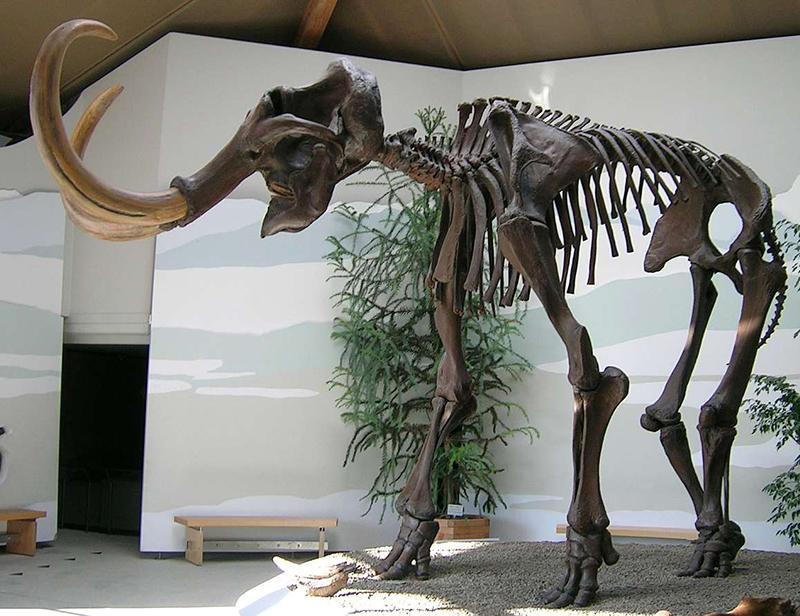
(444, 224)
(591, 209)
(612, 185)
(493, 188)
(550, 220)
(611, 138)
(572, 193)
(567, 234)
(513, 280)
(573, 271)
(479, 212)
(658, 149)
(446, 264)
(674, 150)
(494, 167)
(645, 164)
(497, 275)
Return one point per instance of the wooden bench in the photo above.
(21, 530)
(644, 532)
(195, 544)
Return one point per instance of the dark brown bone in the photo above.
(479, 233)
(754, 606)
(591, 210)
(530, 163)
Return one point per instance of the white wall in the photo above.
(736, 98)
(125, 152)
(537, 481)
(31, 246)
(185, 97)
(212, 83)
(109, 284)
(241, 348)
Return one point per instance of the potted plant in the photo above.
(387, 372)
(776, 409)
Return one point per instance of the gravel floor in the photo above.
(509, 578)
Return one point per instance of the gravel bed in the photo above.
(473, 579)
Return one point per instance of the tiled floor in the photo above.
(83, 572)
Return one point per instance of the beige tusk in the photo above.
(93, 220)
(84, 129)
(103, 230)
(82, 188)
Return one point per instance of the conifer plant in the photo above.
(776, 410)
(390, 350)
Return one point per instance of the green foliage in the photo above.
(776, 409)
(790, 242)
(387, 371)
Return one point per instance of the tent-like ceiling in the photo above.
(461, 34)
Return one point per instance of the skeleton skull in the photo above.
(301, 140)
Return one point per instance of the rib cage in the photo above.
(474, 195)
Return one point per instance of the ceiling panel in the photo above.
(403, 31)
(449, 33)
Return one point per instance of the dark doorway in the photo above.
(101, 454)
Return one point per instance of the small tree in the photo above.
(776, 409)
(391, 352)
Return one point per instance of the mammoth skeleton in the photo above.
(518, 185)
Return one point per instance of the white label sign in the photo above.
(455, 511)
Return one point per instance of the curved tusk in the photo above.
(84, 129)
(97, 222)
(82, 188)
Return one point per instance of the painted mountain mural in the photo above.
(31, 257)
(238, 395)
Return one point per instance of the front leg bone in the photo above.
(451, 405)
(528, 247)
(412, 546)
(585, 554)
(588, 540)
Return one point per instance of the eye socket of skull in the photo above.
(304, 195)
(302, 185)
(294, 154)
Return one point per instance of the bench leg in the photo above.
(23, 537)
(194, 545)
(321, 542)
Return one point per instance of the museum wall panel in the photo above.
(124, 151)
(735, 98)
(31, 248)
(239, 415)
(240, 418)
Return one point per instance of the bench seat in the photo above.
(21, 530)
(644, 532)
(195, 543)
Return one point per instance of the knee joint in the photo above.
(653, 421)
(660, 415)
(715, 415)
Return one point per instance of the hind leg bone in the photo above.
(721, 539)
(663, 415)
